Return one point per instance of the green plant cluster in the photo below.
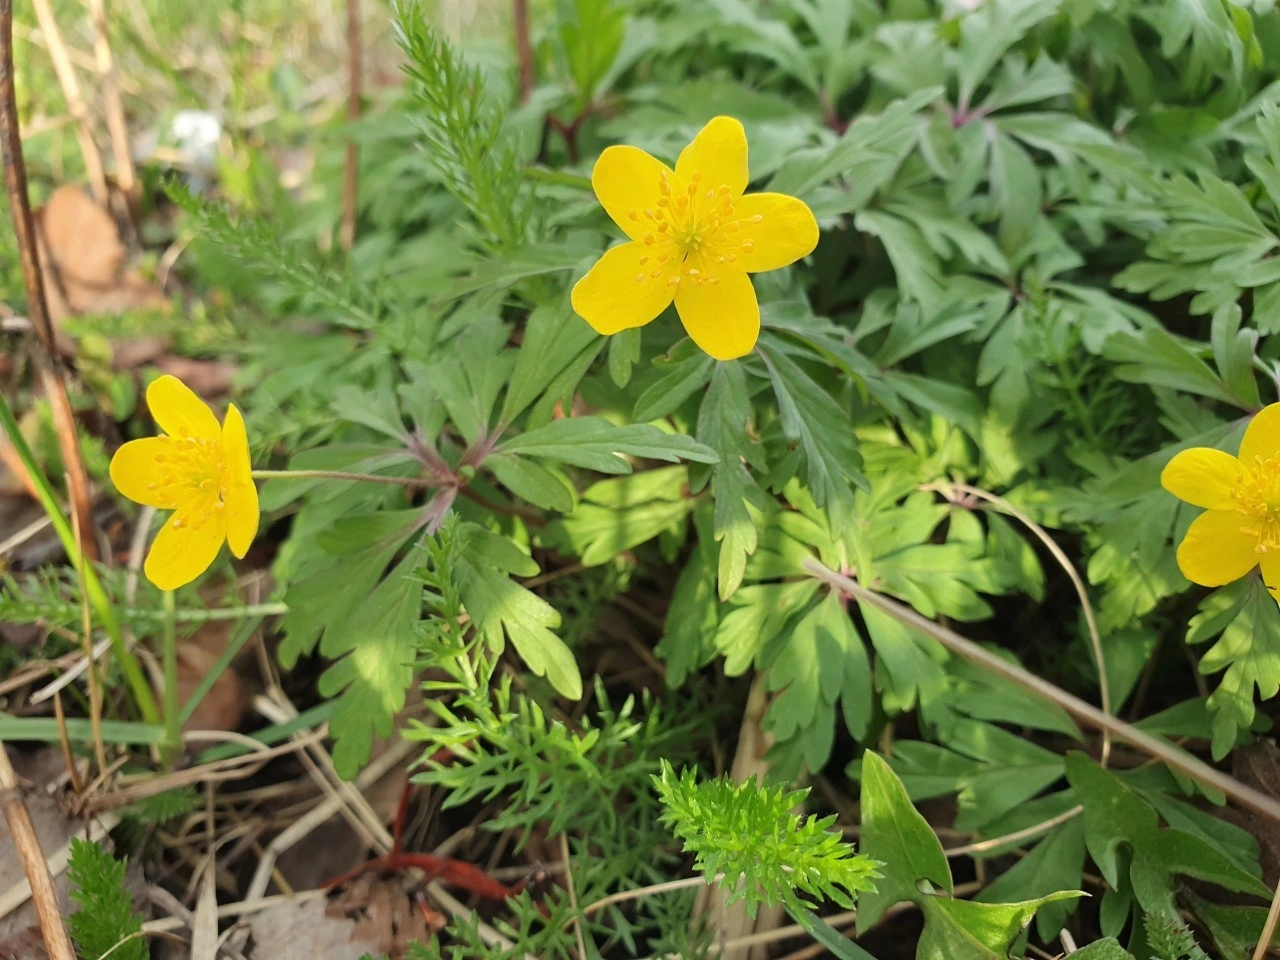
(1050, 238)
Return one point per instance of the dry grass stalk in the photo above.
(50, 365)
(126, 178)
(76, 106)
(27, 844)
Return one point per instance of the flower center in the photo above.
(1257, 498)
(192, 473)
(695, 225)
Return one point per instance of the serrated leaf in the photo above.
(1015, 184)
(1055, 863)
(1108, 949)
(1115, 816)
(911, 661)
(1249, 651)
(689, 628)
(363, 545)
(1235, 930)
(630, 515)
(723, 425)
(374, 649)
(822, 661)
(596, 444)
(681, 378)
(502, 609)
(968, 930)
(553, 336)
(992, 770)
(530, 481)
(868, 154)
(624, 352)
(755, 616)
(895, 833)
(825, 434)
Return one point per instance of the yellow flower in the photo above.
(1240, 528)
(201, 472)
(694, 238)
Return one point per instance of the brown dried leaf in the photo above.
(372, 917)
(208, 378)
(83, 260)
(225, 705)
(131, 354)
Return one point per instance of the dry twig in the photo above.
(27, 844)
(51, 372)
(1086, 713)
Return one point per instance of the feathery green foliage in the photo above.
(748, 835)
(105, 922)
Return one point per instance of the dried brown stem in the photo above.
(126, 178)
(25, 841)
(76, 106)
(55, 388)
(351, 175)
(1268, 928)
(1091, 621)
(15, 180)
(1084, 712)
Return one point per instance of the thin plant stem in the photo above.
(93, 586)
(342, 475)
(351, 173)
(1084, 712)
(27, 846)
(1091, 621)
(91, 673)
(1268, 928)
(172, 715)
(1027, 833)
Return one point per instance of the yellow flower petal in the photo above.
(785, 232)
(179, 412)
(1262, 436)
(621, 291)
(241, 497)
(184, 548)
(1271, 572)
(719, 154)
(722, 318)
(1214, 550)
(1202, 476)
(136, 473)
(626, 181)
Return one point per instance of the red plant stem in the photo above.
(456, 873)
(351, 181)
(524, 48)
(402, 813)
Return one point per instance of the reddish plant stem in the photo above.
(402, 815)
(524, 47)
(456, 873)
(568, 132)
(351, 175)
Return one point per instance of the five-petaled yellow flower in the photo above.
(1240, 528)
(201, 471)
(694, 238)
